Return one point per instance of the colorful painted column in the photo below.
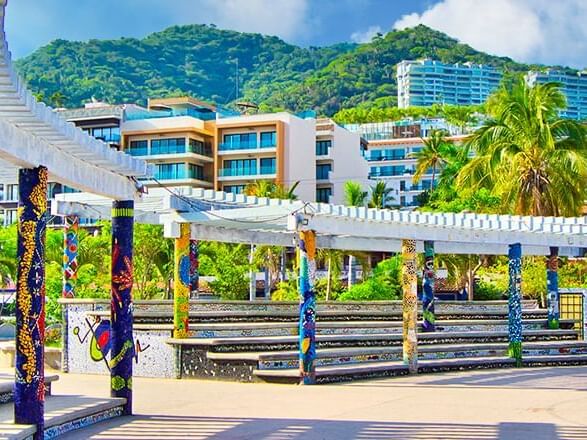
(194, 268)
(70, 265)
(181, 282)
(122, 345)
(552, 289)
(307, 325)
(29, 386)
(428, 278)
(410, 305)
(515, 303)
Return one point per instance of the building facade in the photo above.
(426, 82)
(573, 85)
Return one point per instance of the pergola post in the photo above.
(194, 268)
(515, 302)
(410, 305)
(428, 278)
(70, 265)
(29, 386)
(122, 351)
(181, 282)
(307, 324)
(552, 289)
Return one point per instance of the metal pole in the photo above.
(252, 276)
(29, 385)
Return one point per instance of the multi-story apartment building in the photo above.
(427, 82)
(573, 85)
(402, 129)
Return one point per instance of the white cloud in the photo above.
(532, 31)
(366, 36)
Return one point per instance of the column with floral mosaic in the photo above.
(410, 305)
(307, 323)
(515, 302)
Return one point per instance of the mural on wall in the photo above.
(29, 386)
(307, 324)
(410, 305)
(428, 280)
(181, 283)
(552, 289)
(98, 336)
(70, 251)
(515, 302)
(194, 267)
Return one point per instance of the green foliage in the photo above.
(370, 112)
(229, 264)
(384, 284)
(201, 60)
(487, 291)
(286, 291)
(354, 194)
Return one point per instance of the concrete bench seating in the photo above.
(7, 386)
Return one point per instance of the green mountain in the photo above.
(201, 60)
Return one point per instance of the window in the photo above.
(139, 148)
(196, 172)
(10, 216)
(11, 192)
(234, 189)
(170, 171)
(268, 139)
(199, 147)
(106, 134)
(322, 147)
(267, 165)
(322, 171)
(239, 141)
(397, 170)
(323, 195)
(239, 167)
(402, 185)
(168, 146)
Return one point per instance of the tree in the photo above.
(334, 260)
(527, 155)
(380, 197)
(458, 115)
(354, 194)
(267, 188)
(432, 155)
(269, 257)
(57, 100)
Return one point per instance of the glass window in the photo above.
(168, 146)
(239, 141)
(196, 172)
(170, 171)
(268, 139)
(322, 147)
(322, 171)
(139, 148)
(268, 165)
(239, 167)
(234, 189)
(199, 147)
(323, 195)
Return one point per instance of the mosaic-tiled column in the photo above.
(410, 305)
(181, 282)
(122, 347)
(428, 278)
(70, 265)
(29, 386)
(307, 325)
(515, 302)
(194, 268)
(552, 289)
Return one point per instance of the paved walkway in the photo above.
(535, 404)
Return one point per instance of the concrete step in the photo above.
(62, 414)
(342, 373)
(352, 355)
(7, 386)
(277, 343)
(553, 360)
(286, 328)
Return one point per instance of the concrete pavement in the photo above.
(535, 404)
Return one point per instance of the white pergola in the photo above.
(32, 134)
(225, 217)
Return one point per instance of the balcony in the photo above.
(237, 146)
(202, 150)
(246, 172)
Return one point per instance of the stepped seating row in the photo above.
(62, 413)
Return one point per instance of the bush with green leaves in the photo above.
(383, 285)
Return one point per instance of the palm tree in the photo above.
(354, 194)
(525, 154)
(57, 99)
(380, 197)
(458, 115)
(267, 188)
(333, 259)
(432, 155)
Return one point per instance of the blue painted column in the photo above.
(29, 386)
(515, 303)
(428, 278)
(122, 351)
(552, 289)
(194, 268)
(307, 324)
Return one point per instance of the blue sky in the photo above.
(539, 31)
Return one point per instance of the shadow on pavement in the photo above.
(216, 428)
